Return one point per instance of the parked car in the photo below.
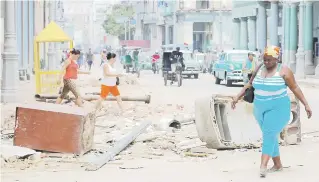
(228, 67)
(192, 66)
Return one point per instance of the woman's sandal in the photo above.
(263, 172)
(274, 169)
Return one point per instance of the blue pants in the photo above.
(272, 117)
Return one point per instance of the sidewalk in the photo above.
(310, 81)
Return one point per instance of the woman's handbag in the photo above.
(117, 81)
(249, 95)
(249, 92)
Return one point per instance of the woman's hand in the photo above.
(234, 102)
(308, 111)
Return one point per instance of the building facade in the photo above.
(293, 25)
(30, 18)
(202, 25)
(20, 22)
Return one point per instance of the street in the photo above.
(157, 160)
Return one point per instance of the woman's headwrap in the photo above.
(273, 51)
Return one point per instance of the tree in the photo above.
(118, 11)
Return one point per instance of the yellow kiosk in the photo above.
(46, 80)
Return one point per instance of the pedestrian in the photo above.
(248, 67)
(89, 58)
(272, 104)
(103, 57)
(69, 74)
(109, 82)
(80, 60)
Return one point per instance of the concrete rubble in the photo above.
(172, 141)
(172, 137)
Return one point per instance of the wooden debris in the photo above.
(195, 154)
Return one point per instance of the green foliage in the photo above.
(111, 26)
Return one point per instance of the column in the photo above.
(25, 34)
(274, 23)
(51, 54)
(286, 12)
(19, 31)
(308, 33)
(300, 63)
(262, 26)
(243, 34)
(252, 33)
(10, 55)
(293, 37)
(166, 34)
(236, 33)
(175, 21)
(31, 37)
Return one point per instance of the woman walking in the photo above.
(108, 83)
(272, 104)
(70, 74)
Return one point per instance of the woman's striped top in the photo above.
(269, 88)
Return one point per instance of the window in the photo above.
(202, 4)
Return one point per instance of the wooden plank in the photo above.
(100, 161)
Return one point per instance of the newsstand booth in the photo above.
(46, 80)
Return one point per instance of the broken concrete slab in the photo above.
(98, 162)
(12, 153)
(54, 128)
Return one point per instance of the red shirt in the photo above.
(155, 57)
(71, 71)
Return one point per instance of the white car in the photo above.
(192, 66)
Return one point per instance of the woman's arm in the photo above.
(289, 78)
(107, 72)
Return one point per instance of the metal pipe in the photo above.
(94, 96)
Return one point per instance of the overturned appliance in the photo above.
(223, 128)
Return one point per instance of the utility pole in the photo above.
(175, 23)
(125, 22)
